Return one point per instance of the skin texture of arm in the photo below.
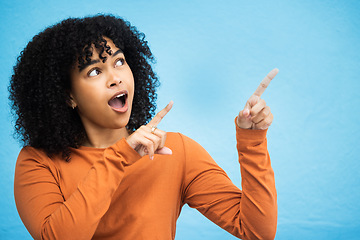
(42, 207)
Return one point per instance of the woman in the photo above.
(94, 166)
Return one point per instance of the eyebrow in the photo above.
(98, 60)
(117, 52)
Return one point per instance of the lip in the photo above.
(125, 107)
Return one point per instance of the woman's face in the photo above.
(103, 91)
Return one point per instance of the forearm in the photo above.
(46, 213)
(259, 201)
(78, 216)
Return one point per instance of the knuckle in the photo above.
(252, 100)
(156, 118)
(267, 121)
(162, 133)
(157, 139)
(148, 143)
(141, 132)
(264, 114)
(160, 115)
(262, 126)
(256, 120)
(264, 85)
(137, 133)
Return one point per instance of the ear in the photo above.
(71, 102)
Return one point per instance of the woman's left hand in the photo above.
(256, 114)
(148, 139)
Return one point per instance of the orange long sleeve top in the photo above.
(114, 193)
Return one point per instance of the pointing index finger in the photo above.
(160, 115)
(265, 82)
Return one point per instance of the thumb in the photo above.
(164, 151)
(245, 113)
(243, 119)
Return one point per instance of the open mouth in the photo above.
(119, 102)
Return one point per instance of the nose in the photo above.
(113, 79)
(115, 84)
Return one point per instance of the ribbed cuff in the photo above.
(250, 136)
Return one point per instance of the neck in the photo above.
(104, 138)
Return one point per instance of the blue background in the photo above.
(211, 55)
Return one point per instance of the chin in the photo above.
(123, 124)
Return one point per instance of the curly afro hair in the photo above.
(40, 85)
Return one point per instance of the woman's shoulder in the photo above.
(178, 138)
(31, 155)
(28, 151)
(180, 141)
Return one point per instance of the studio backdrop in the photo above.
(211, 55)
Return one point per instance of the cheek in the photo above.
(87, 96)
(131, 85)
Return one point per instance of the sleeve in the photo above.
(40, 203)
(247, 214)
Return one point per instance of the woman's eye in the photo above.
(119, 62)
(93, 72)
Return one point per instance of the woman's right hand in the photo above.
(148, 139)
